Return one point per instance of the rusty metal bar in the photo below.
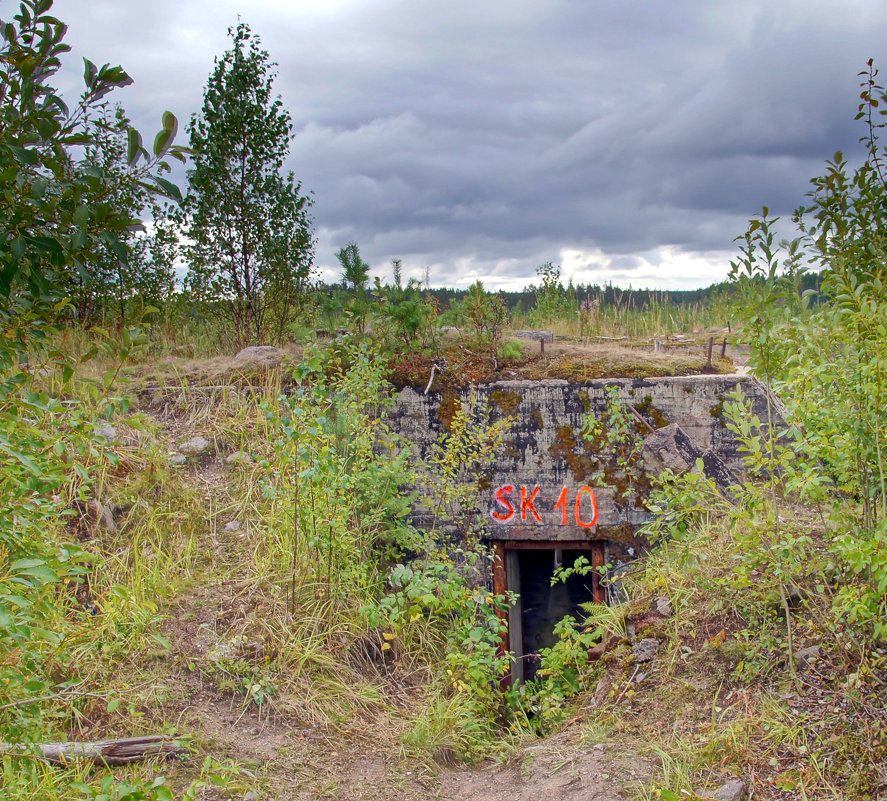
(640, 417)
(598, 555)
(500, 587)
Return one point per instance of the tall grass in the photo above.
(628, 316)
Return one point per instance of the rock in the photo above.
(661, 606)
(733, 790)
(232, 526)
(94, 512)
(107, 432)
(224, 650)
(252, 795)
(238, 457)
(178, 458)
(794, 595)
(256, 650)
(595, 654)
(807, 655)
(259, 354)
(194, 446)
(646, 649)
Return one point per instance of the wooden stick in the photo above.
(108, 752)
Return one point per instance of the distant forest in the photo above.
(610, 296)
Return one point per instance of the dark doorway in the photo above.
(529, 568)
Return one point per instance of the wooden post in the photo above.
(542, 345)
(711, 344)
(724, 348)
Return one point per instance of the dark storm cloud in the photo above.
(482, 138)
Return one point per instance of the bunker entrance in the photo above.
(529, 569)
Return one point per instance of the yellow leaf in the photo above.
(389, 636)
(386, 646)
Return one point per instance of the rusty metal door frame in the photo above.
(506, 578)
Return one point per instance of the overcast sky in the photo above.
(627, 140)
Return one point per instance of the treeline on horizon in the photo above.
(605, 295)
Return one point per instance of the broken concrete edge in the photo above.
(671, 448)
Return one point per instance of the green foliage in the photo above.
(563, 673)
(458, 463)
(61, 211)
(58, 211)
(510, 350)
(484, 318)
(405, 319)
(252, 246)
(109, 790)
(827, 362)
(680, 504)
(437, 606)
(356, 272)
(553, 300)
(111, 285)
(336, 499)
(52, 458)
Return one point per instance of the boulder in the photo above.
(259, 355)
(93, 512)
(661, 606)
(238, 457)
(107, 432)
(646, 649)
(805, 656)
(195, 446)
(733, 790)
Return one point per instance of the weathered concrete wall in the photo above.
(546, 481)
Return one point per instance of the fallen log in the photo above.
(108, 752)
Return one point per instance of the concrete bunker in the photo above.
(559, 491)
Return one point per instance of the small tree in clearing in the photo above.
(356, 272)
(251, 245)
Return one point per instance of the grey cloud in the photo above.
(486, 137)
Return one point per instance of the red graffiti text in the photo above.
(530, 503)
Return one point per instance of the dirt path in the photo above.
(561, 767)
